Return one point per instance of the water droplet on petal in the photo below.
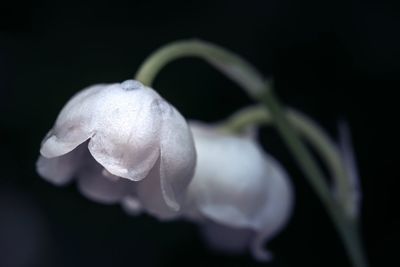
(129, 85)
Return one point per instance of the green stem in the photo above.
(246, 117)
(312, 133)
(345, 227)
(248, 77)
(228, 63)
(329, 152)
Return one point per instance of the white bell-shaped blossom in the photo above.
(122, 142)
(240, 195)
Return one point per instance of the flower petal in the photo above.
(74, 124)
(60, 170)
(122, 123)
(238, 186)
(276, 210)
(126, 139)
(178, 156)
(95, 185)
(151, 197)
(229, 184)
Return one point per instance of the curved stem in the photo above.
(328, 150)
(324, 146)
(246, 117)
(233, 66)
(248, 77)
(345, 227)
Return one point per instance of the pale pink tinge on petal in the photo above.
(178, 156)
(60, 170)
(74, 124)
(120, 160)
(127, 136)
(151, 197)
(96, 186)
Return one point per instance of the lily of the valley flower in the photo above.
(122, 141)
(239, 194)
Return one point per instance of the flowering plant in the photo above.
(126, 144)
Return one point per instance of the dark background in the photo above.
(332, 60)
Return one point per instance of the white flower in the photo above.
(240, 195)
(121, 141)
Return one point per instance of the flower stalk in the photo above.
(288, 125)
(233, 66)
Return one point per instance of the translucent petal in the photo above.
(178, 156)
(151, 197)
(74, 124)
(126, 139)
(95, 185)
(60, 170)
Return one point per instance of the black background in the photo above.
(331, 59)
